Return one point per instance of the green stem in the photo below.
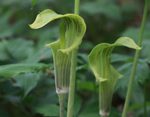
(76, 7)
(135, 62)
(61, 104)
(104, 100)
(70, 107)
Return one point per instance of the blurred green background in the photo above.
(32, 94)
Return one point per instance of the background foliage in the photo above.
(32, 93)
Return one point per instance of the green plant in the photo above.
(105, 74)
(136, 57)
(27, 84)
(72, 30)
(71, 96)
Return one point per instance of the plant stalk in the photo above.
(70, 107)
(76, 7)
(61, 104)
(71, 96)
(135, 62)
(104, 101)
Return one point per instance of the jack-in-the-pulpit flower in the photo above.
(72, 30)
(106, 75)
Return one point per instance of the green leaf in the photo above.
(38, 55)
(27, 82)
(141, 77)
(13, 70)
(25, 48)
(48, 110)
(106, 75)
(3, 55)
(6, 28)
(145, 50)
(9, 49)
(71, 32)
(102, 7)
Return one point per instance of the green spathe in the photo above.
(106, 75)
(72, 30)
